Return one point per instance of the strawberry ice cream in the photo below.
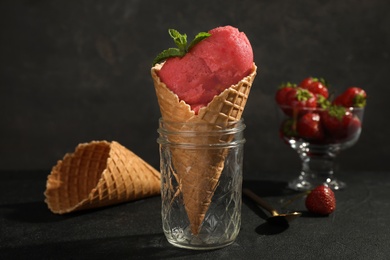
(210, 67)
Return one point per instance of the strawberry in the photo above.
(351, 97)
(299, 101)
(287, 129)
(340, 123)
(321, 200)
(309, 127)
(318, 86)
(299, 97)
(284, 88)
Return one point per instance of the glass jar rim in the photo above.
(201, 134)
(200, 128)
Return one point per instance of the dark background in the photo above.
(77, 71)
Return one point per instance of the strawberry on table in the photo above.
(340, 122)
(351, 97)
(317, 86)
(309, 127)
(321, 200)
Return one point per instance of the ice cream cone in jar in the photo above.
(202, 88)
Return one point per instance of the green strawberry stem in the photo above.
(359, 101)
(303, 95)
(181, 43)
(287, 84)
(322, 80)
(337, 112)
(323, 102)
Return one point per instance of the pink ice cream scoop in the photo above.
(210, 67)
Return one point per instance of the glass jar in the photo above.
(201, 172)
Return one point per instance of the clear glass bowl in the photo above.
(318, 148)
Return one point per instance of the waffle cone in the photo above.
(99, 174)
(198, 181)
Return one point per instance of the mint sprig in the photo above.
(179, 39)
(198, 38)
(181, 43)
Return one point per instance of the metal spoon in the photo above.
(277, 218)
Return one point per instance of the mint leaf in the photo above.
(181, 43)
(171, 52)
(199, 37)
(179, 39)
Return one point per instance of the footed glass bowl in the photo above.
(319, 135)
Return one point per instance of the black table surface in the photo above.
(358, 229)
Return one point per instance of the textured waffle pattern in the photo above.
(99, 174)
(230, 104)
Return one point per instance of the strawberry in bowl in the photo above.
(318, 127)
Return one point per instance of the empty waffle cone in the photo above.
(98, 174)
(198, 181)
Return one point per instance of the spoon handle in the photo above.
(259, 201)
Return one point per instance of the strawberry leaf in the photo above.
(323, 102)
(337, 112)
(303, 94)
(359, 100)
(321, 80)
(287, 84)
